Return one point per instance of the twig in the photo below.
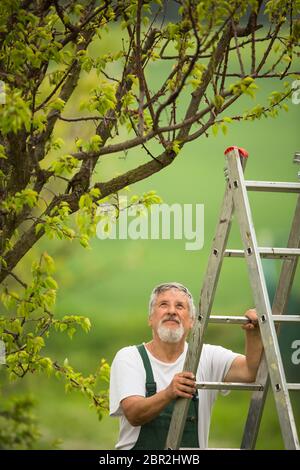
(224, 73)
(89, 118)
(265, 56)
(139, 69)
(237, 48)
(253, 50)
(23, 284)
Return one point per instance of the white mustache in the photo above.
(172, 318)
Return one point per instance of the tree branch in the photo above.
(207, 75)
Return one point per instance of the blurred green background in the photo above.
(112, 282)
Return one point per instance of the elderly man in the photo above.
(147, 379)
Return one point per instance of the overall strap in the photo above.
(150, 383)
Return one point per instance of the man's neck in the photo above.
(165, 352)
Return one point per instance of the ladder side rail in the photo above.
(279, 307)
(262, 303)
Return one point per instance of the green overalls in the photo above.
(153, 435)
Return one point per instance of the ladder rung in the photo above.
(222, 448)
(294, 386)
(297, 157)
(228, 386)
(231, 319)
(210, 448)
(273, 186)
(265, 253)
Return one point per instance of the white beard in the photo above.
(170, 335)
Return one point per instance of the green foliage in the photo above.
(276, 8)
(102, 99)
(87, 217)
(197, 74)
(175, 146)
(93, 145)
(276, 102)
(57, 144)
(57, 104)
(26, 197)
(246, 85)
(16, 112)
(218, 101)
(25, 333)
(109, 212)
(69, 323)
(146, 200)
(296, 31)
(86, 385)
(55, 224)
(2, 152)
(65, 164)
(215, 129)
(18, 428)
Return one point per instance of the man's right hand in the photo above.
(141, 410)
(183, 385)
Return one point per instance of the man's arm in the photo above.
(244, 368)
(140, 410)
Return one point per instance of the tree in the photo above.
(45, 50)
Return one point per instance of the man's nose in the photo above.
(172, 310)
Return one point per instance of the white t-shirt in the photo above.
(128, 377)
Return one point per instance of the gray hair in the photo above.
(172, 285)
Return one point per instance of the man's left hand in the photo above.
(252, 324)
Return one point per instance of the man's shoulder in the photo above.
(216, 352)
(210, 350)
(127, 353)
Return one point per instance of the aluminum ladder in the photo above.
(271, 368)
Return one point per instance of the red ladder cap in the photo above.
(243, 153)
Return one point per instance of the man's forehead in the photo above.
(174, 294)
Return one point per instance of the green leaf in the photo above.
(218, 100)
(86, 325)
(134, 199)
(95, 193)
(79, 143)
(248, 80)
(176, 146)
(84, 241)
(50, 282)
(215, 129)
(2, 152)
(58, 143)
(47, 365)
(66, 163)
(16, 112)
(26, 197)
(95, 143)
(58, 104)
(71, 332)
(224, 129)
(38, 228)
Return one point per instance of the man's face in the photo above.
(170, 315)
